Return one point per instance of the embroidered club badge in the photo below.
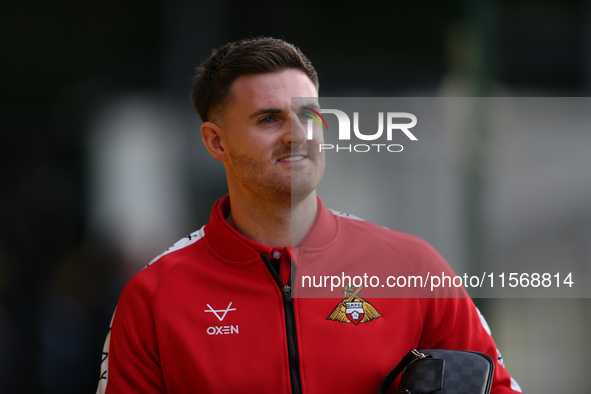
(353, 309)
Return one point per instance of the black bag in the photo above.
(442, 371)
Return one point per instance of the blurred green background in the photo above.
(102, 166)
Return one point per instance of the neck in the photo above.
(273, 224)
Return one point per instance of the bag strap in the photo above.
(412, 355)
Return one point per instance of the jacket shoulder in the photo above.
(396, 239)
(181, 244)
(146, 281)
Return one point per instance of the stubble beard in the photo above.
(268, 185)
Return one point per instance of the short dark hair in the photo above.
(214, 78)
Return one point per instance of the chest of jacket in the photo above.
(224, 329)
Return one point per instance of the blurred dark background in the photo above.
(72, 72)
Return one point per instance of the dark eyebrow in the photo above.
(312, 106)
(263, 111)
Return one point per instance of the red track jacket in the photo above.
(211, 315)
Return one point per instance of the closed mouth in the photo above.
(293, 158)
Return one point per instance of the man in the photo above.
(215, 312)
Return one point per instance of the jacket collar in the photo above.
(233, 246)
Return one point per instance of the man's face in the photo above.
(265, 136)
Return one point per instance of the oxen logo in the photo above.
(215, 312)
(221, 330)
(353, 309)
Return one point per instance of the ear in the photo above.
(213, 139)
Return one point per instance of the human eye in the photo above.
(305, 115)
(267, 120)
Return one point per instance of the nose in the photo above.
(297, 134)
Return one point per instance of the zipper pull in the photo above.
(418, 354)
(287, 293)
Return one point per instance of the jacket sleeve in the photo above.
(456, 323)
(131, 359)
(450, 318)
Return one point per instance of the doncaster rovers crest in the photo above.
(352, 309)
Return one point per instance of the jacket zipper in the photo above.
(292, 343)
